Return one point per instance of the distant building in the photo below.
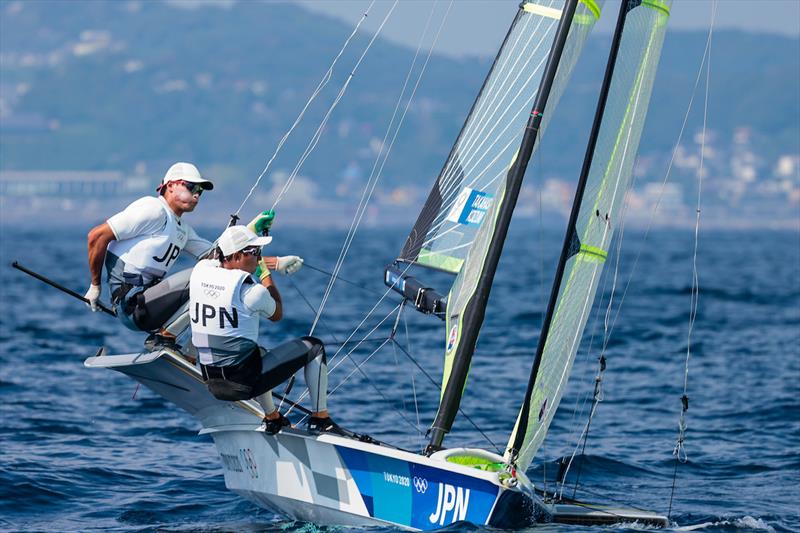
(69, 184)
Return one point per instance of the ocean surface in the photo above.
(86, 449)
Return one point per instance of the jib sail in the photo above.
(596, 213)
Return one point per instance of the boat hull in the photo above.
(329, 479)
(332, 480)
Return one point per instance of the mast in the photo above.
(571, 240)
(475, 310)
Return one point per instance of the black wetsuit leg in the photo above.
(151, 308)
(281, 362)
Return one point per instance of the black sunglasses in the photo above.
(252, 250)
(194, 188)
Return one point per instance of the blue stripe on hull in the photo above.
(418, 496)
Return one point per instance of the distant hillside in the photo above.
(133, 86)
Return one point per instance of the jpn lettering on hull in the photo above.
(451, 505)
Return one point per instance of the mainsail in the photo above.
(472, 177)
(474, 224)
(596, 213)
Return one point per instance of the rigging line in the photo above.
(679, 451)
(363, 341)
(521, 112)
(394, 350)
(367, 195)
(460, 410)
(348, 354)
(598, 397)
(598, 392)
(320, 129)
(291, 381)
(369, 313)
(358, 367)
(386, 340)
(476, 127)
(363, 200)
(322, 83)
(421, 438)
(663, 182)
(353, 283)
(313, 310)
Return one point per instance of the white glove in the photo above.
(289, 264)
(93, 295)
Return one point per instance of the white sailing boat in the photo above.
(329, 479)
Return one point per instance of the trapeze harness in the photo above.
(225, 334)
(137, 264)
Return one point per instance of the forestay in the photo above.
(470, 181)
(589, 239)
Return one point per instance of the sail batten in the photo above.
(605, 179)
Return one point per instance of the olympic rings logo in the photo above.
(421, 484)
(211, 293)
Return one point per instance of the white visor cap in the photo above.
(237, 238)
(185, 172)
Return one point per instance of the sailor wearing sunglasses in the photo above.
(140, 245)
(225, 304)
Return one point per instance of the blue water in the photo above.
(87, 449)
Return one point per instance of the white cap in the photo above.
(237, 238)
(185, 172)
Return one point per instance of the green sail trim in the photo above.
(592, 6)
(593, 253)
(657, 5)
(442, 262)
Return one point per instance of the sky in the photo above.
(476, 27)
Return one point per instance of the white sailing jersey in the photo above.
(224, 307)
(150, 237)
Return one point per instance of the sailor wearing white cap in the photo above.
(140, 245)
(225, 304)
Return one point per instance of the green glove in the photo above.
(261, 270)
(263, 221)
